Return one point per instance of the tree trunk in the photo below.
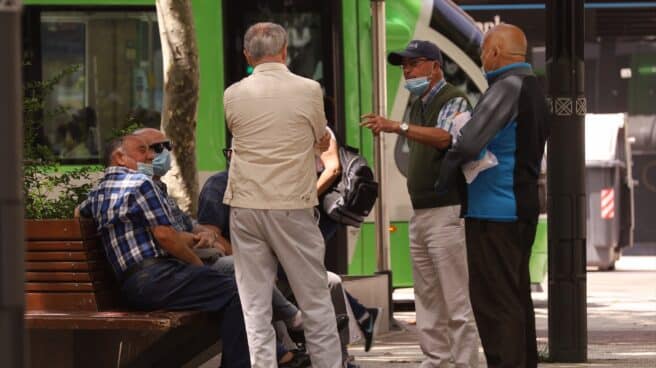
(180, 62)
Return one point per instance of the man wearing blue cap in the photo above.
(447, 330)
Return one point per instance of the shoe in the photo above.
(367, 327)
(300, 360)
(297, 336)
(342, 322)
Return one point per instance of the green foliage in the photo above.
(132, 126)
(49, 192)
(53, 194)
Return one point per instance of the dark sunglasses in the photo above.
(159, 147)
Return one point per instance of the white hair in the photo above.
(264, 39)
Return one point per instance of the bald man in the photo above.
(153, 262)
(502, 205)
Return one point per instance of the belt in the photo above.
(132, 269)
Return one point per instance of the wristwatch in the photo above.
(404, 127)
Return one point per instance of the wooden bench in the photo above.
(74, 312)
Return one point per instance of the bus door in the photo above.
(314, 51)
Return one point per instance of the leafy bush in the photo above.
(49, 190)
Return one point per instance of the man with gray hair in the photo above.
(277, 121)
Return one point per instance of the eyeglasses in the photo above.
(412, 63)
(159, 147)
(227, 153)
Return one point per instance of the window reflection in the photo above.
(119, 79)
(304, 38)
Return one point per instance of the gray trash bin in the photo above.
(609, 190)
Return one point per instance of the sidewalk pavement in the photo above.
(621, 323)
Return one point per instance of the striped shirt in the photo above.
(183, 222)
(124, 206)
(450, 108)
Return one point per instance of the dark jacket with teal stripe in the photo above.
(510, 121)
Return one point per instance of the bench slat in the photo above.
(78, 245)
(46, 276)
(118, 320)
(65, 286)
(64, 266)
(70, 301)
(59, 229)
(90, 255)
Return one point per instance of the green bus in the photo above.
(117, 45)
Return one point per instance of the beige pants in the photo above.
(445, 321)
(260, 239)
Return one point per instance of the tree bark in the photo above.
(181, 86)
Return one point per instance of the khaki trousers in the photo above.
(445, 321)
(261, 239)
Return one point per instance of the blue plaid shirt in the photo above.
(124, 206)
(183, 222)
(450, 108)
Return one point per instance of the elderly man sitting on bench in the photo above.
(153, 262)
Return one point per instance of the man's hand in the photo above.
(221, 248)
(324, 142)
(379, 124)
(176, 243)
(204, 239)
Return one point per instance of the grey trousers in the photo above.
(445, 321)
(261, 239)
(283, 309)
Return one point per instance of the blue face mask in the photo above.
(146, 169)
(162, 163)
(417, 86)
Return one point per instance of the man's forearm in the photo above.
(436, 137)
(176, 243)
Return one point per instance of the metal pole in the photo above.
(12, 335)
(566, 182)
(380, 108)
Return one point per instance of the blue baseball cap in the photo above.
(416, 49)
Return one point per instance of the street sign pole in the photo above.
(380, 108)
(566, 181)
(12, 335)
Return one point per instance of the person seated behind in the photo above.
(328, 172)
(213, 248)
(153, 262)
(213, 212)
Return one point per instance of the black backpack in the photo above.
(351, 199)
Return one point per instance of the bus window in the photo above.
(309, 29)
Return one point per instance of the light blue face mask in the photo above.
(146, 169)
(162, 163)
(417, 86)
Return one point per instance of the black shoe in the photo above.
(297, 336)
(342, 322)
(300, 360)
(367, 327)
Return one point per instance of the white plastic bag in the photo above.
(473, 168)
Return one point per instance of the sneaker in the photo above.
(367, 327)
(342, 322)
